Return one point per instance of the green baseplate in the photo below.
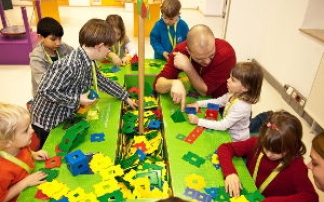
(174, 148)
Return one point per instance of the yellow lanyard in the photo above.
(16, 161)
(50, 59)
(119, 47)
(272, 175)
(173, 40)
(94, 75)
(227, 107)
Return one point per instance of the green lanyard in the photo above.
(94, 75)
(227, 107)
(119, 47)
(173, 40)
(50, 59)
(272, 175)
(16, 161)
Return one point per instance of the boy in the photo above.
(169, 30)
(16, 159)
(61, 91)
(49, 49)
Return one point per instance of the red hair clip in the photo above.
(272, 126)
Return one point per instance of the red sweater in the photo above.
(11, 173)
(291, 184)
(214, 75)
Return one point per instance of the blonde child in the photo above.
(123, 50)
(169, 30)
(316, 165)
(274, 160)
(16, 159)
(49, 49)
(244, 87)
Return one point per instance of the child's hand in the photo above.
(166, 55)
(193, 119)
(194, 105)
(116, 60)
(233, 185)
(34, 179)
(85, 101)
(125, 60)
(132, 104)
(40, 155)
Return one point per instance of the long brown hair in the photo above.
(115, 21)
(251, 76)
(282, 134)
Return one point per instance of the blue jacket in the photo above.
(159, 38)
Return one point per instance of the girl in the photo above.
(244, 88)
(274, 160)
(317, 163)
(16, 160)
(123, 50)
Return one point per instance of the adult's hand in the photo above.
(181, 62)
(178, 93)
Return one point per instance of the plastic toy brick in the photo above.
(191, 138)
(76, 195)
(148, 166)
(133, 90)
(63, 199)
(193, 159)
(177, 116)
(181, 137)
(77, 162)
(222, 195)
(151, 134)
(239, 199)
(114, 69)
(254, 197)
(111, 172)
(105, 187)
(99, 162)
(93, 94)
(129, 177)
(141, 154)
(154, 177)
(213, 106)
(148, 113)
(51, 174)
(212, 192)
(155, 124)
(211, 114)
(97, 137)
(129, 162)
(150, 105)
(114, 196)
(191, 110)
(53, 162)
(40, 195)
(195, 182)
(142, 185)
(193, 94)
(129, 117)
(90, 197)
(128, 128)
(215, 159)
(158, 113)
(54, 189)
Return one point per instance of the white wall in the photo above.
(267, 30)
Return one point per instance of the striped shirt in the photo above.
(59, 92)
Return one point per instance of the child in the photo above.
(123, 50)
(316, 165)
(274, 160)
(169, 30)
(49, 49)
(62, 88)
(16, 160)
(244, 87)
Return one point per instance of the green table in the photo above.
(109, 123)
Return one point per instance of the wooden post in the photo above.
(141, 72)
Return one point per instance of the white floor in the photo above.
(15, 79)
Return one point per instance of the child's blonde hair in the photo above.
(10, 116)
(251, 76)
(171, 8)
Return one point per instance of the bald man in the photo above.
(207, 62)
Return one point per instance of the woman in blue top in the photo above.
(169, 30)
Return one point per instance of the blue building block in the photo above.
(77, 162)
(93, 95)
(154, 124)
(191, 110)
(97, 137)
(213, 106)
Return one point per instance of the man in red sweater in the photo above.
(207, 62)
